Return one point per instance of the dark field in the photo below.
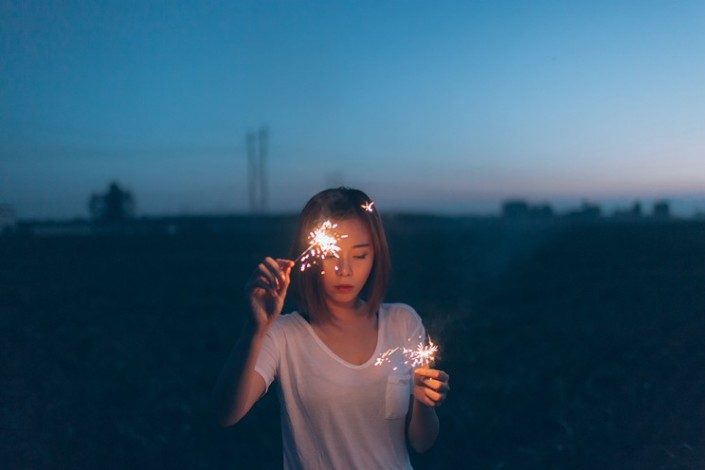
(569, 346)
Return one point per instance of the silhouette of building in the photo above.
(517, 209)
(541, 211)
(633, 212)
(115, 205)
(587, 211)
(662, 210)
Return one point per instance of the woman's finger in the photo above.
(251, 284)
(285, 265)
(261, 283)
(428, 402)
(285, 274)
(275, 269)
(435, 384)
(434, 396)
(433, 373)
(264, 270)
(260, 279)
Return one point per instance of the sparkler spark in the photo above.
(322, 243)
(385, 357)
(423, 356)
(368, 206)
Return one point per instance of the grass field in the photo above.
(569, 345)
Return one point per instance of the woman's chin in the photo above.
(347, 300)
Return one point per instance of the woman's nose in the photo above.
(342, 267)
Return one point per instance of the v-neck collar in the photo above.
(329, 352)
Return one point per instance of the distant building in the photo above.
(8, 220)
(587, 211)
(542, 210)
(662, 210)
(515, 209)
(115, 205)
(633, 212)
(518, 209)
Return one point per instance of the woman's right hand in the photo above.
(266, 291)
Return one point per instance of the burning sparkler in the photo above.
(322, 243)
(423, 356)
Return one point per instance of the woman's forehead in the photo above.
(356, 230)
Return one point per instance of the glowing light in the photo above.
(385, 357)
(322, 243)
(423, 356)
(368, 206)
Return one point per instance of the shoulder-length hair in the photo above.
(339, 204)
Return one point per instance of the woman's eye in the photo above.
(362, 256)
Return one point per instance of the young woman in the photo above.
(339, 409)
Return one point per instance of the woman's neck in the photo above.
(341, 316)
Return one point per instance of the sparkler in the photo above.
(423, 356)
(322, 243)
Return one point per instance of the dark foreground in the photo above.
(569, 346)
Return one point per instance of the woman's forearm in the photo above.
(239, 386)
(423, 427)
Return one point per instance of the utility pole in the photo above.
(264, 190)
(252, 170)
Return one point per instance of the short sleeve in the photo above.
(267, 364)
(415, 329)
(407, 326)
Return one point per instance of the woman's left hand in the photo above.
(430, 386)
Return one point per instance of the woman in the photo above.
(340, 408)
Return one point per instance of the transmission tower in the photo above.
(263, 189)
(252, 170)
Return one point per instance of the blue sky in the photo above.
(447, 107)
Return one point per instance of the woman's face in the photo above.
(343, 278)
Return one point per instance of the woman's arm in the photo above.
(430, 389)
(239, 386)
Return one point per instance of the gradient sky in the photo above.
(449, 107)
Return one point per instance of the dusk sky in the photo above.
(448, 107)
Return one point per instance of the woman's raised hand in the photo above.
(266, 291)
(430, 386)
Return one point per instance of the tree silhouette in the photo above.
(115, 205)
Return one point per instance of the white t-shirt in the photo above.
(337, 415)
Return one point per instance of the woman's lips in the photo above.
(344, 288)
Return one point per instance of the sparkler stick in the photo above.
(322, 243)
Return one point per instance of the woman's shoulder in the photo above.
(287, 322)
(401, 312)
(401, 323)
